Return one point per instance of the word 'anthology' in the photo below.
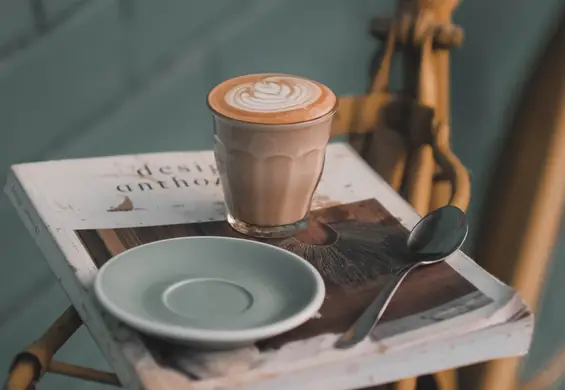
(151, 178)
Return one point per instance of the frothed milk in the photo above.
(270, 133)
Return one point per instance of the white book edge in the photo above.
(379, 367)
(83, 302)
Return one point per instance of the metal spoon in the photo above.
(434, 238)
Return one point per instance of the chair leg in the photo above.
(406, 384)
(29, 366)
(446, 380)
(84, 373)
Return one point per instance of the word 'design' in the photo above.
(172, 176)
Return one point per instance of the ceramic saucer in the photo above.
(213, 292)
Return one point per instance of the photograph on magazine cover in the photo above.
(354, 246)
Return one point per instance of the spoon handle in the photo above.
(373, 313)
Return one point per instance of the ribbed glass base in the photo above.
(266, 231)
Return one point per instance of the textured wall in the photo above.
(94, 77)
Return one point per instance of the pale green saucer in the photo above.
(210, 291)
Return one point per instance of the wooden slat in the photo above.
(406, 384)
(441, 194)
(420, 178)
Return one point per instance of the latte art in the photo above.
(273, 94)
(271, 99)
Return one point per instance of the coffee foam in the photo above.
(273, 94)
(271, 99)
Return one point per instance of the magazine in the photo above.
(83, 212)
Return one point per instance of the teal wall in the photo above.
(95, 77)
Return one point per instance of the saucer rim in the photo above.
(186, 333)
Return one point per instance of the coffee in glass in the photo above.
(270, 135)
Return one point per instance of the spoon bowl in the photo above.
(438, 235)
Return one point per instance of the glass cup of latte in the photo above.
(270, 136)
